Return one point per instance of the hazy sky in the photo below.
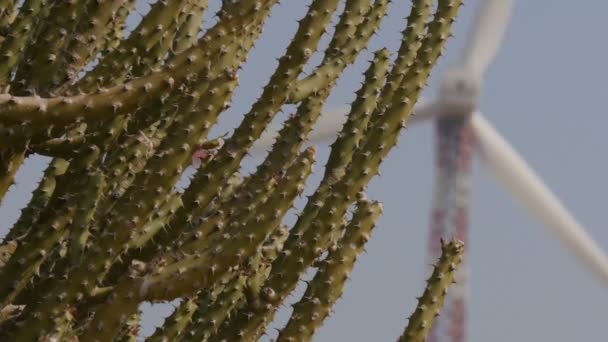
(545, 93)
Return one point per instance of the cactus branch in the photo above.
(126, 116)
(328, 284)
(430, 303)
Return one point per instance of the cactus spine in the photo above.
(106, 229)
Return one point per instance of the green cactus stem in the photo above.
(358, 119)
(188, 31)
(6, 251)
(297, 127)
(67, 147)
(63, 327)
(328, 284)
(8, 12)
(343, 48)
(87, 42)
(157, 221)
(52, 227)
(79, 230)
(210, 317)
(176, 323)
(115, 67)
(412, 40)
(430, 303)
(21, 31)
(215, 310)
(237, 242)
(200, 270)
(207, 181)
(122, 99)
(274, 95)
(10, 161)
(305, 245)
(117, 27)
(129, 332)
(40, 199)
(43, 55)
(127, 115)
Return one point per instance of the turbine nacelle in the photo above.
(459, 91)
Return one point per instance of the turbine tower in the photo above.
(458, 97)
(460, 130)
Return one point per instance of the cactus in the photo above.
(434, 294)
(327, 285)
(123, 116)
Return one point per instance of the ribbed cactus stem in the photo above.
(6, 251)
(92, 191)
(235, 245)
(295, 130)
(50, 230)
(83, 279)
(63, 328)
(244, 286)
(313, 230)
(117, 26)
(171, 156)
(130, 156)
(124, 300)
(155, 56)
(164, 240)
(174, 153)
(40, 199)
(188, 31)
(207, 302)
(194, 272)
(114, 67)
(19, 135)
(275, 94)
(259, 265)
(67, 147)
(352, 132)
(129, 332)
(157, 221)
(175, 324)
(8, 11)
(88, 41)
(35, 73)
(357, 25)
(430, 303)
(410, 45)
(10, 161)
(210, 317)
(328, 284)
(109, 228)
(21, 31)
(125, 98)
(205, 186)
(358, 119)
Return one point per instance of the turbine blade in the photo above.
(330, 124)
(425, 110)
(485, 38)
(326, 129)
(519, 179)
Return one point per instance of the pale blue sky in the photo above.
(545, 93)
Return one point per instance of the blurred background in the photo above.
(546, 94)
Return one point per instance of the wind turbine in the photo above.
(460, 130)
